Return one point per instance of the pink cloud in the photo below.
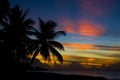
(87, 28)
(84, 28)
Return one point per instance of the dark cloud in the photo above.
(111, 48)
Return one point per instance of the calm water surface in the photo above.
(106, 74)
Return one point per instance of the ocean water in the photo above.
(107, 74)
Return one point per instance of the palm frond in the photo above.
(50, 26)
(4, 8)
(5, 24)
(56, 53)
(56, 34)
(32, 28)
(31, 33)
(34, 55)
(44, 51)
(56, 44)
(24, 14)
(51, 23)
(28, 22)
(16, 9)
(41, 25)
(32, 46)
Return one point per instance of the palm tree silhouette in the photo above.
(45, 42)
(16, 25)
(4, 8)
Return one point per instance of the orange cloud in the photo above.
(84, 28)
(80, 46)
(97, 62)
(87, 28)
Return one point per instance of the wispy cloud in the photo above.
(83, 46)
(95, 7)
(112, 48)
(80, 46)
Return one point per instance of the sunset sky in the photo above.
(92, 26)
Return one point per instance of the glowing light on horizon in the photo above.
(86, 62)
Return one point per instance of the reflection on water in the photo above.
(106, 74)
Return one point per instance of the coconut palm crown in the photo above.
(45, 43)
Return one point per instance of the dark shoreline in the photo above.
(50, 76)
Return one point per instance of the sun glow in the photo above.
(85, 62)
(91, 65)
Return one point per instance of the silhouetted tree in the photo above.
(45, 42)
(16, 25)
(4, 8)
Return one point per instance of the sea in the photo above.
(111, 75)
